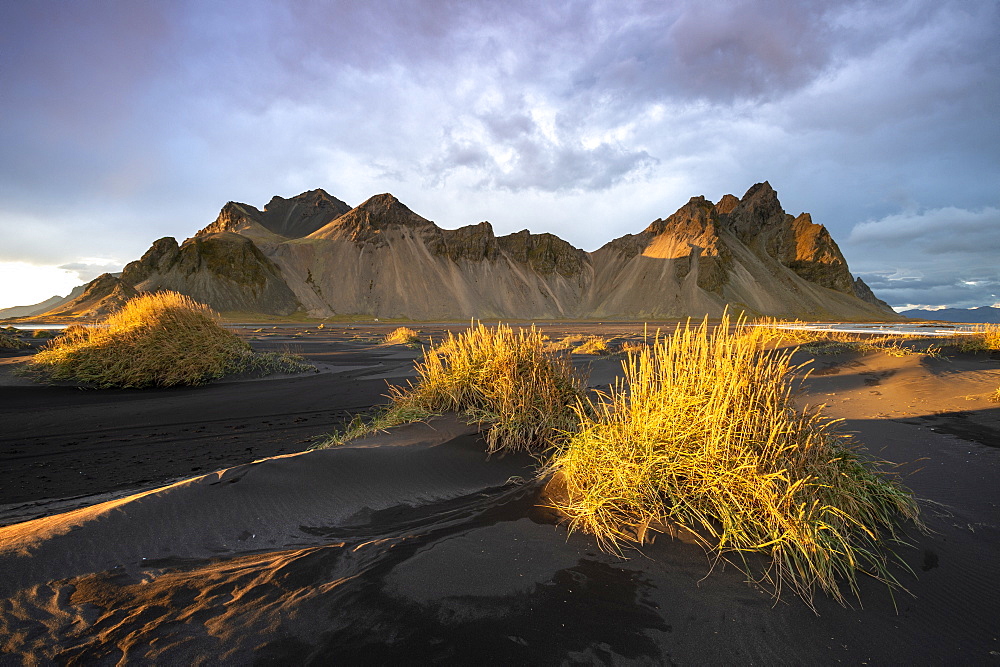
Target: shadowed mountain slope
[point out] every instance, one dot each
(285, 218)
(311, 253)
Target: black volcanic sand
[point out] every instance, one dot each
(60, 445)
(413, 547)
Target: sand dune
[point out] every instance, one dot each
(414, 547)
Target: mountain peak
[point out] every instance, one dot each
(726, 204)
(758, 210)
(318, 198)
(384, 210)
(291, 218)
(366, 222)
(384, 202)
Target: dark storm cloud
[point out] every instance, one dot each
(941, 256)
(716, 51)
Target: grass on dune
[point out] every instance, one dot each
(509, 381)
(11, 342)
(703, 433)
(631, 347)
(155, 340)
(402, 336)
(597, 345)
(985, 338)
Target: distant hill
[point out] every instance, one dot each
(316, 255)
(981, 315)
(42, 306)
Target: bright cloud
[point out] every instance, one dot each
(26, 284)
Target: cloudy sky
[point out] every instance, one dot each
(124, 121)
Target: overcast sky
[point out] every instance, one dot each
(123, 122)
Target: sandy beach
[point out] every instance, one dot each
(189, 526)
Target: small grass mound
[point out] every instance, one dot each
(704, 434)
(507, 380)
(402, 336)
(154, 340)
(11, 342)
(631, 347)
(593, 345)
(42, 333)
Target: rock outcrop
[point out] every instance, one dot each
(101, 296)
(314, 254)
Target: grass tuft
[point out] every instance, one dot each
(986, 338)
(154, 340)
(703, 434)
(593, 345)
(402, 336)
(631, 347)
(11, 342)
(509, 381)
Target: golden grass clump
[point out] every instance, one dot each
(632, 347)
(703, 434)
(505, 379)
(593, 345)
(985, 338)
(402, 336)
(773, 330)
(11, 342)
(154, 340)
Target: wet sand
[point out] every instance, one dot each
(414, 547)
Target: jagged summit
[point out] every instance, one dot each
(726, 204)
(303, 214)
(696, 224)
(312, 253)
(292, 218)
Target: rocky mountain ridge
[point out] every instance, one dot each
(314, 254)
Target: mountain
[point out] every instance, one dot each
(41, 306)
(865, 293)
(312, 253)
(981, 315)
(28, 311)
